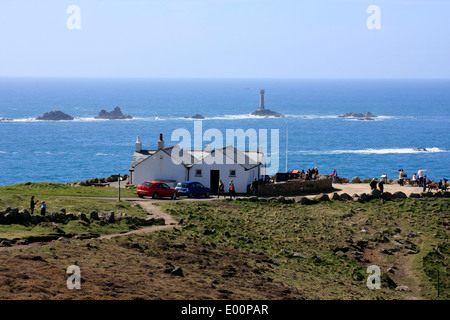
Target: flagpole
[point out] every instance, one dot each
(287, 141)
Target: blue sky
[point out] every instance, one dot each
(225, 39)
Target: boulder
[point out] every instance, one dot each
(24, 216)
(108, 216)
(160, 221)
(356, 180)
(71, 216)
(305, 201)
(177, 272)
(386, 196)
(376, 194)
(345, 196)
(5, 243)
(336, 196)
(93, 215)
(82, 216)
(414, 195)
(322, 197)
(399, 195)
(403, 288)
(365, 197)
(426, 195)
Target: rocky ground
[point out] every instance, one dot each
(250, 250)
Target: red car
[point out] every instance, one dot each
(156, 189)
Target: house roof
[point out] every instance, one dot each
(247, 159)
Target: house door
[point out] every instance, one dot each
(214, 181)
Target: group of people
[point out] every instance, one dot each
(254, 187)
(221, 189)
(373, 185)
(421, 179)
(33, 203)
(310, 174)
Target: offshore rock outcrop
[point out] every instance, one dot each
(360, 116)
(266, 113)
(196, 116)
(55, 116)
(116, 114)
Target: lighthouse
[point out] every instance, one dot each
(261, 99)
(262, 111)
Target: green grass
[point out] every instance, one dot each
(49, 189)
(280, 230)
(71, 198)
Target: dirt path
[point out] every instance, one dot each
(156, 212)
(148, 206)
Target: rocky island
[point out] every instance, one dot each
(262, 111)
(55, 116)
(196, 116)
(359, 116)
(116, 114)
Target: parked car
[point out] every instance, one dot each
(156, 189)
(192, 188)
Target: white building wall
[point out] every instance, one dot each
(158, 167)
(242, 179)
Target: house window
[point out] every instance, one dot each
(232, 173)
(198, 172)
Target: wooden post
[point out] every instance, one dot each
(287, 141)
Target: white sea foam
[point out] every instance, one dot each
(106, 154)
(372, 151)
(221, 117)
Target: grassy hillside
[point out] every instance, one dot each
(73, 199)
(246, 250)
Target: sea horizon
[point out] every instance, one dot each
(412, 113)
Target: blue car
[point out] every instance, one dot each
(192, 188)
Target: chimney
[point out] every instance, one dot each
(138, 145)
(160, 142)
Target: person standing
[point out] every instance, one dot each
(421, 181)
(381, 185)
(400, 177)
(32, 204)
(43, 208)
(221, 189)
(334, 175)
(424, 183)
(254, 186)
(231, 189)
(373, 184)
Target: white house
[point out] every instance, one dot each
(205, 166)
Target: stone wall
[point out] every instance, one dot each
(295, 187)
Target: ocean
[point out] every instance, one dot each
(411, 114)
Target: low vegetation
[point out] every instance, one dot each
(251, 250)
(72, 199)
